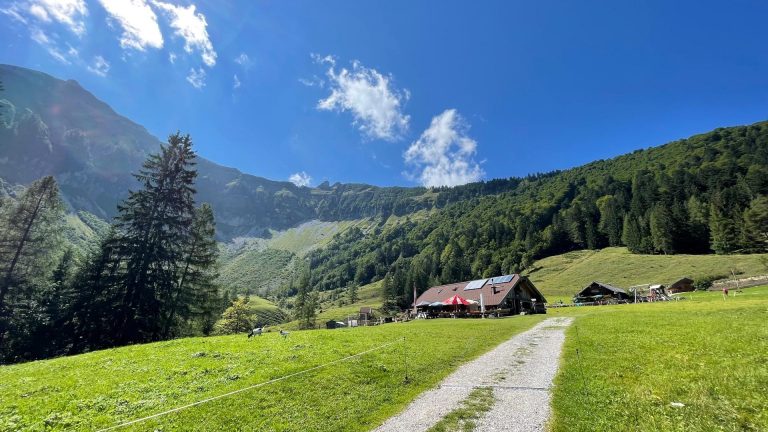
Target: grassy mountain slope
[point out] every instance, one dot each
(562, 276)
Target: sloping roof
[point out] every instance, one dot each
(493, 293)
(605, 286)
(681, 281)
(366, 310)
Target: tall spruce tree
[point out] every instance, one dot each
(306, 302)
(29, 230)
(153, 228)
(724, 228)
(662, 229)
(756, 224)
(196, 294)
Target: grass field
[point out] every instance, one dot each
(562, 276)
(624, 366)
(100, 389)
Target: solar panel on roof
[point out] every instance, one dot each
(475, 284)
(501, 279)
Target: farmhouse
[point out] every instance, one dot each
(683, 285)
(598, 291)
(505, 295)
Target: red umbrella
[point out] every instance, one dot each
(456, 300)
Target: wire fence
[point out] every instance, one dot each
(261, 384)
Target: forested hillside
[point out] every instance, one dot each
(699, 195)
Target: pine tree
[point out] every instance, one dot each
(724, 229)
(610, 224)
(96, 294)
(153, 226)
(662, 229)
(352, 290)
(28, 235)
(306, 302)
(196, 293)
(756, 224)
(631, 235)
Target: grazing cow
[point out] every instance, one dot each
(284, 333)
(255, 332)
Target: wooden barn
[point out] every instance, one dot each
(683, 285)
(598, 292)
(501, 295)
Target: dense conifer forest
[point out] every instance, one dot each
(705, 194)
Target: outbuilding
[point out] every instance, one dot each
(598, 291)
(682, 285)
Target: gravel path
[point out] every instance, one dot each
(520, 371)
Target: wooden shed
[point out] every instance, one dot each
(682, 285)
(598, 291)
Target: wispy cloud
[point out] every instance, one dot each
(39, 15)
(138, 21)
(314, 82)
(196, 77)
(236, 82)
(444, 153)
(375, 104)
(244, 61)
(192, 27)
(300, 179)
(70, 13)
(66, 57)
(99, 66)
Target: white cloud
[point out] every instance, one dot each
(314, 82)
(99, 66)
(236, 83)
(196, 78)
(71, 13)
(43, 40)
(172, 58)
(138, 21)
(444, 153)
(39, 12)
(14, 11)
(300, 179)
(192, 27)
(244, 61)
(375, 105)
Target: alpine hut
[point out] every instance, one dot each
(501, 295)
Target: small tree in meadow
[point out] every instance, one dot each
(235, 319)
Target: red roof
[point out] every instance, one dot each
(493, 294)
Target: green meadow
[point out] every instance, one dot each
(101, 389)
(560, 277)
(629, 367)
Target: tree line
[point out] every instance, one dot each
(706, 194)
(151, 277)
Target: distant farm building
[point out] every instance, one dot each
(598, 292)
(502, 295)
(683, 285)
(366, 315)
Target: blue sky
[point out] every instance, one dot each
(406, 92)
